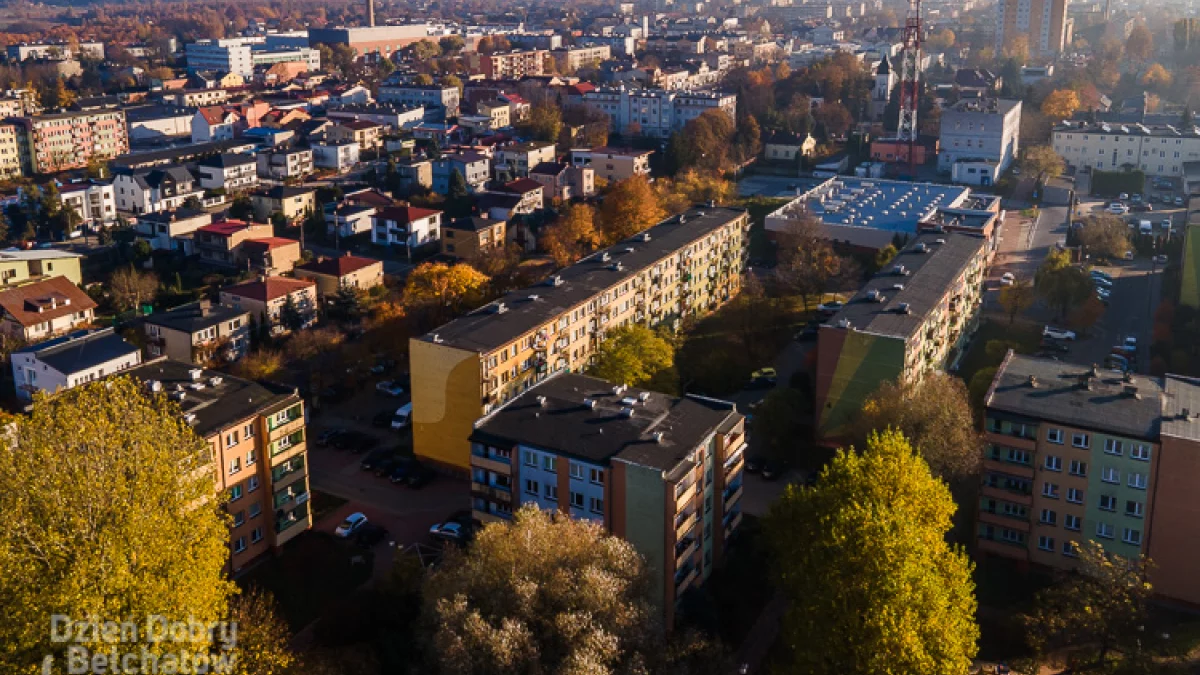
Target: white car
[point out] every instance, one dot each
(1008, 279)
(452, 531)
(1102, 282)
(1118, 209)
(830, 307)
(1131, 341)
(1123, 196)
(1103, 293)
(350, 525)
(1058, 333)
(403, 416)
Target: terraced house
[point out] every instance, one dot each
(685, 266)
(1076, 454)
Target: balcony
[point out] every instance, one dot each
(733, 466)
(296, 516)
(732, 522)
(684, 498)
(1001, 520)
(684, 524)
(684, 551)
(288, 496)
(732, 495)
(495, 493)
(1023, 470)
(287, 443)
(282, 427)
(684, 578)
(491, 462)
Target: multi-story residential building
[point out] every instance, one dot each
(293, 202)
(341, 156)
(392, 117)
(910, 318)
(228, 171)
(439, 102)
(515, 160)
(1044, 23)
(71, 360)
(347, 271)
(347, 220)
(979, 139)
(663, 473)
(562, 181)
(414, 173)
(1155, 150)
(475, 169)
(613, 164)
(44, 307)
(94, 201)
(199, 333)
(221, 243)
(214, 123)
(499, 113)
(192, 98)
(368, 135)
(172, 230)
(570, 59)
(471, 237)
(18, 266)
(264, 298)
(685, 266)
(407, 226)
(62, 141)
(150, 190)
(656, 112)
(258, 438)
(271, 255)
(230, 55)
(508, 65)
(285, 163)
(10, 150)
(55, 51)
(372, 41)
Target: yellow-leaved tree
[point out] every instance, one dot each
(573, 235)
(442, 290)
(629, 207)
(862, 557)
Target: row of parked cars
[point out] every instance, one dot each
(397, 467)
(459, 528)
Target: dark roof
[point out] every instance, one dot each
(974, 77)
(490, 200)
(549, 168)
(54, 296)
(179, 154)
(1061, 395)
(473, 224)
(885, 67)
(226, 160)
(216, 406)
(283, 192)
(554, 416)
(521, 186)
(194, 316)
(484, 329)
(81, 350)
(405, 214)
(1182, 394)
(337, 267)
(929, 276)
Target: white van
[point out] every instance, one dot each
(403, 416)
(1145, 227)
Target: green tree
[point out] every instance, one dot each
(545, 122)
(1016, 298)
(808, 264)
(125, 526)
(290, 316)
(1104, 236)
(347, 303)
(862, 557)
(884, 256)
(1139, 46)
(978, 387)
(934, 413)
(637, 356)
(424, 50)
(242, 208)
(458, 197)
(1041, 162)
(451, 43)
(1061, 284)
(544, 594)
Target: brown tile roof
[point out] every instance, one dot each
(270, 242)
(214, 114)
(522, 185)
(337, 267)
(269, 288)
(51, 298)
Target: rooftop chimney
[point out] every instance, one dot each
(371, 14)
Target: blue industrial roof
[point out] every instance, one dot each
(895, 206)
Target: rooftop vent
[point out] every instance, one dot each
(939, 241)
(1033, 382)
(1131, 391)
(616, 267)
(154, 385)
(844, 323)
(590, 403)
(897, 287)
(900, 271)
(902, 308)
(920, 248)
(626, 412)
(555, 280)
(195, 374)
(437, 339)
(499, 308)
(658, 437)
(644, 396)
(541, 400)
(190, 418)
(605, 257)
(629, 400)
(178, 395)
(644, 237)
(215, 380)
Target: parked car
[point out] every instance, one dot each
(1100, 274)
(1058, 333)
(1128, 255)
(1165, 224)
(350, 525)
(1103, 293)
(1131, 342)
(451, 531)
(763, 378)
(329, 435)
(401, 469)
(374, 458)
(1101, 282)
(754, 463)
(420, 476)
(402, 417)
(382, 419)
(1161, 259)
(1179, 201)
(772, 469)
(369, 534)
(1008, 279)
(830, 307)
(1123, 196)
(1118, 209)
(809, 332)
(1055, 346)
(389, 388)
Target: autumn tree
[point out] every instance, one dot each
(704, 143)
(629, 207)
(443, 290)
(637, 356)
(542, 594)
(259, 365)
(1139, 46)
(1156, 77)
(130, 287)
(451, 44)
(1102, 603)
(941, 40)
(573, 235)
(694, 187)
(1061, 284)
(545, 122)
(125, 526)
(934, 413)
(1104, 236)
(1016, 49)
(262, 637)
(1060, 104)
(808, 264)
(1041, 162)
(862, 557)
(1016, 298)
(423, 50)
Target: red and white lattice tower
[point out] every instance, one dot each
(910, 73)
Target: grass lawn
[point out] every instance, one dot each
(313, 571)
(1027, 337)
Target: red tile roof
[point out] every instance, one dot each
(581, 88)
(270, 288)
(225, 228)
(522, 185)
(214, 114)
(55, 297)
(337, 267)
(270, 242)
(405, 214)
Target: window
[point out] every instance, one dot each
(1069, 549)
(1075, 495)
(576, 470)
(552, 492)
(577, 499)
(235, 465)
(1048, 517)
(255, 509)
(1080, 440)
(1131, 536)
(1104, 530)
(252, 484)
(235, 493)
(1141, 452)
(1112, 447)
(1046, 543)
(597, 476)
(1137, 480)
(239, 545)
(256, 535)
(532, 487)
(239, 518)
(1110, 475)
(528, 458)
(231, 438)
(248, 431)
(1078, 468)
(549, 464)
(1108, 503)
(1133, 508)
(1072, 523)
(251, 457)
(1053, 463)
(1050, 490)
(596, 505)
(1054, 436)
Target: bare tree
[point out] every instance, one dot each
(130, 287)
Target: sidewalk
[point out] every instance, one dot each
(757, 645)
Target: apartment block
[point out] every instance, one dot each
(1044, 23)
(1156, 150)
(613, 164)
(570, 59)
(912, 317)
(150, 190)
(516, 159)
(663, 473)
(685, 266)
(439, 102)
(10, 150)
(94, 201)
(656, 112)
(58, 142)
(285, 163)
(258, 437)
(407, 226)
(228, 171)
(199, 333)
(293, 202)
(979, 132)
(512, 65)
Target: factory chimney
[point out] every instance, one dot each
(645, 27)
(371, 13)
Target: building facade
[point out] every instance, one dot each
(71, 360)
(1155, 150)
(58, 142)
(44, 307)
(94, 201)
(981, 132)
(685, 266)
(512, 65)
(656, 112)
(1043, 22)
(199, 333)
(613, 164)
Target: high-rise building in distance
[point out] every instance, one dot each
(1044, 23)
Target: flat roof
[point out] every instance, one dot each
(485, 329)
(555, 416)
(890, 205)
(80, 350)
(1181, 407)
(1060, 395)
(926, 276)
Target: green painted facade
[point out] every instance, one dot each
(1189, 289)
(1120, 492)
(865, 362)
(644, 523)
